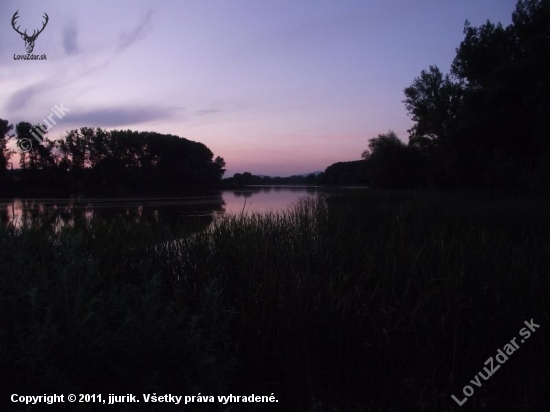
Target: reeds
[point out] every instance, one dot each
(372, 301)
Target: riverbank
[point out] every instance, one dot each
(380, 300)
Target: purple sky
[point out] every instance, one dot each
(275, 87)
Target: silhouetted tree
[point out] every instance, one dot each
(487, 124)
(346, 173)
(391, 163)
(93, 157)
(248, 178)
(23, 131)
(311, 179)
(5, 153)
(432, 101)
(322, 178)
(506, 116)
(217, 168)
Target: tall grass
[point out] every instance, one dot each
(380, 301)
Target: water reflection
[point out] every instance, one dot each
(199, 208)
(267, 198)
(59, 213)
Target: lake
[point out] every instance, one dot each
(203, 206)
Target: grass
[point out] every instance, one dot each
(376, 301)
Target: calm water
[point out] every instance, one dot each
(204, 207)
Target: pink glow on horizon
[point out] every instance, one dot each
(275, 88)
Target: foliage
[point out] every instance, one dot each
(248, 178)
(5, 153)
(487, 123)
(346, 173)
(433, 101)
(94, 157)
(392, 164)
(405, 294)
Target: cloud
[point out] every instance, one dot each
(118, 117)
(207, 111)
(70, 37)
(127, 39)
(21, 98)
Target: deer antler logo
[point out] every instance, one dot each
(29, 40)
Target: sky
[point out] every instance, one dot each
(275, 87)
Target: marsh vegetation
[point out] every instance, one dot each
(364, 301)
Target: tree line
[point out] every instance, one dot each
(95, 157)
(486, 124)
(248, 178)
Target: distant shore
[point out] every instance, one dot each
(17, 190)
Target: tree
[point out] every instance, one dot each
(504, 123)
(311, 179)
(490, 119)
(92, 157)
(384, 142)
(345, 173)
(432, 101)
(23, 134)
(5, 153)
(391, 163)
(481, 52)
(218, 169)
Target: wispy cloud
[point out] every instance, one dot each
(207, 111)
(70, 38)
(127, 39)
(118, 117)
(21, 99)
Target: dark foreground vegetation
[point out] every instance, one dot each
(375, 301)
(378, 301)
